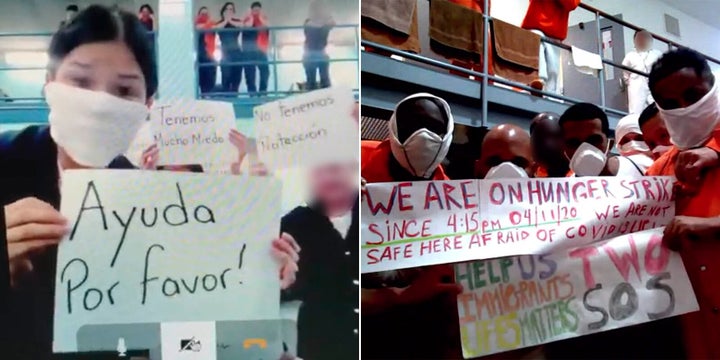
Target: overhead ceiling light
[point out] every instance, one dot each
(26, 58)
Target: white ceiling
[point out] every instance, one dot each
(45, 15)
(707, 11)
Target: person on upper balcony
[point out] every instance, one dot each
(230, 49)
(255, 44)
(640, 59)
(207, 75)
(147, 17)
(70, 12)
(316, 59)
(549, 18)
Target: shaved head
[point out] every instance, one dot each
(505, 143)
(547, 143)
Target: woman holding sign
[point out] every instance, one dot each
(101, 81)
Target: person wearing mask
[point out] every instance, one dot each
(631, 143)
(587, 144)
(640, 59)
(416, 307)
(316, 60)
(549, 18)
(547, 146)
(147, 17)
(230, 49)
(506, 153)
(101, 82)
(70, 12)
(654, 131)
(686, 93)
(255, 43)
(205, 51)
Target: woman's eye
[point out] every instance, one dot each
(81, 82)
(124, 91)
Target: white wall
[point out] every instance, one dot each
(648, 14)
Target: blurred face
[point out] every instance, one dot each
(681, 89)
(203, 13)
(420, 114)
(229, 11)
(495, 152)
(643, 41)
(334, 183)
(256, 10)
(145, 12)
(547, 143)
(107, 66)
(578, 132)
(656, 134)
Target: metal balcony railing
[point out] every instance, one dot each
(10, 104)
(486, 78)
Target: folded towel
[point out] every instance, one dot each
(586, 62)
(395, 14)
(456, 26)
(374, 31)
(515, 52)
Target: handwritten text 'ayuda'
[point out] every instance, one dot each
(76, 274)
(445, 196)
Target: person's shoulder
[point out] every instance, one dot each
(297, 215)
(20, 141)
(663, 165)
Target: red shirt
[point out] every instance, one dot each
(701, 329)
(550, 17)
(375, 160)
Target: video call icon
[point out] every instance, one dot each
(190, 345)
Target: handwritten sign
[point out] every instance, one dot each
(149, 247)
(521, 301)
(423, 223)
(308, 129)
(194, 132)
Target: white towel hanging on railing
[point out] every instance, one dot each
(586, 62)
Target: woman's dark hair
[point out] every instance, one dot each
(98, 23)
(201, 9)
(148, 7)
(72, 7)
(224, 7)
(256, 4)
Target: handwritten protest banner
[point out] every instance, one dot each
(308, 129)
(194, 132)
(411, 224)
(521, 301)
(149, 247)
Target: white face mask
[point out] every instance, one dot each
(692, 126)
(506, 170)
(92, 127)
(423, 151)
(659, 150)
(588, 160)
(633, 147)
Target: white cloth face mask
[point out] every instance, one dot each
(93, 127)
(659, 150)
(588, 160)
(633, 147)
(692, 126)
(506, 170)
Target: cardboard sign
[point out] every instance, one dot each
(194, 132)
(435, 222)
(151, 247)
(307, 130)
(522, 301)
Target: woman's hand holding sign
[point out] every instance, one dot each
(286, 250)
(240, 141)
(32, 226)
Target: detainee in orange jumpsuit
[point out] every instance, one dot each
(410, 313)
(686, 93)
